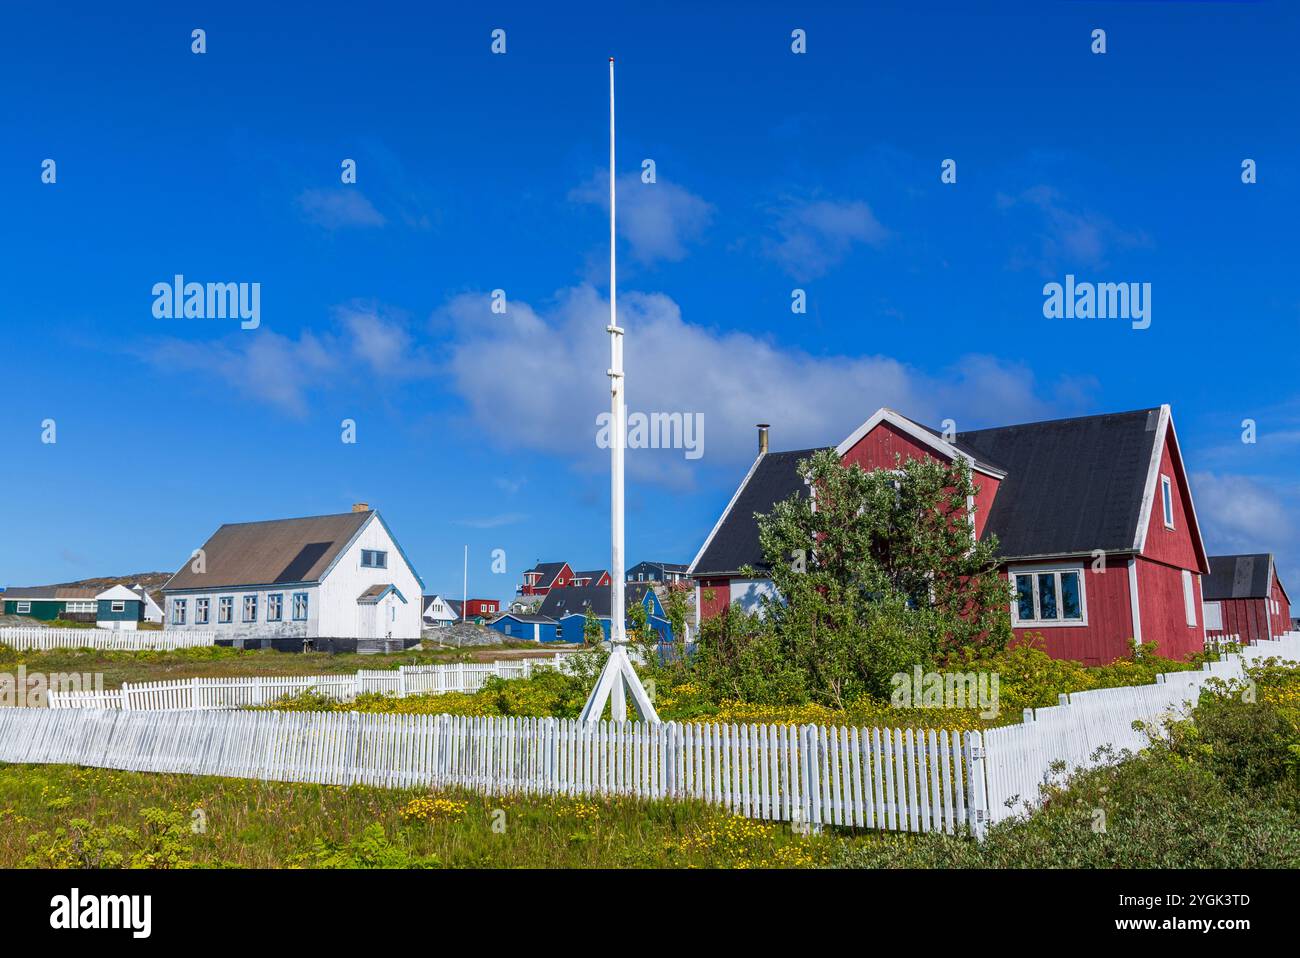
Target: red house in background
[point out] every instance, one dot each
(1096, 531)
(545, 576)
(1244, 597)
(596, 577)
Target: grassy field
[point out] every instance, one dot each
(212, 662)
(64, 816)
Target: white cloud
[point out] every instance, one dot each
(1240, 514)
(336, 208)
(1068, 239)
(812, 237)
(263, 365)
(550, 382)
(283, 371)
(657, 220)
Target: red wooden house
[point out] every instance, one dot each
(1096, 530)
(545, 576)
(596, 577)
(1244, 597)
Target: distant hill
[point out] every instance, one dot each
(152, 582)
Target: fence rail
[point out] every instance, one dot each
(1021, 756)
(113, 640)
(868, 778)
(237, 692)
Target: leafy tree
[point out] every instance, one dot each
(592, 633)
(876, 572)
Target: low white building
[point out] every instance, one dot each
(438, 612)
(338, 576)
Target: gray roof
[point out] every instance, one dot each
(568, 601)
(526, 617)
(271, 552)
(49, 592)
(1238, 577)
(735, 543)
(548, 571)
(1070, 486)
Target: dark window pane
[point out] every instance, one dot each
(1047, 595)
(1071, 607)
(1025, 597)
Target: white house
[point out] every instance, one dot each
(438, 612)
(339, 576)
(152, 610)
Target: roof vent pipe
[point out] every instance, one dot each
(762, 437)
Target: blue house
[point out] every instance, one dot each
(527, 628)
(568, 607)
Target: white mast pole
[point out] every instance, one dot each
(618, 677)
(464, 584)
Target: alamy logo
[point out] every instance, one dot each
(945, 690)
(1073, 300)
(72, 911)
(657, 430)
(181, 300)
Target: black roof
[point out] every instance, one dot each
(665, 566)
(548, 570)
(1238, 577)
(525, 617)
(575, 599)
(735, 542)
(1071, 486)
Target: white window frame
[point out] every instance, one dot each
(1189, 599)
(277, 606)
(378, 559)
(1034, 572)
(202, 610)
(23, 608)
(81, 606)
(226, 610)
(118, 605)
(250, 602)
(1167, 500)
(178, 611)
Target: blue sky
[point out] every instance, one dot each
(477, 172)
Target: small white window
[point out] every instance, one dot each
(24, 608)
(1213, 613)
(1050, 596)
(1189, 599)
(1167, 499)
(118, 605)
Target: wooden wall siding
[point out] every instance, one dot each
(1109, 631)
(721, 588)
(1245, 617)
(877, 449)
(1174, 547)
(1281, 618)
(1164, 617)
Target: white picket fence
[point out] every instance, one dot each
(1021, 756)
(111, 640)
(237, 692)
(1220, 640)
(866, 778)
(869, 778)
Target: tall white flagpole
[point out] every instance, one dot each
(618, 674)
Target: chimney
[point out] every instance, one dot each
(360, 507)
(762, 438)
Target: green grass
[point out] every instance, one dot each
(214, 662)
(65, 816)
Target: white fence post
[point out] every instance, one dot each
(977, 800)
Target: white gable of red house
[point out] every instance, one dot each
(1079, 509)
